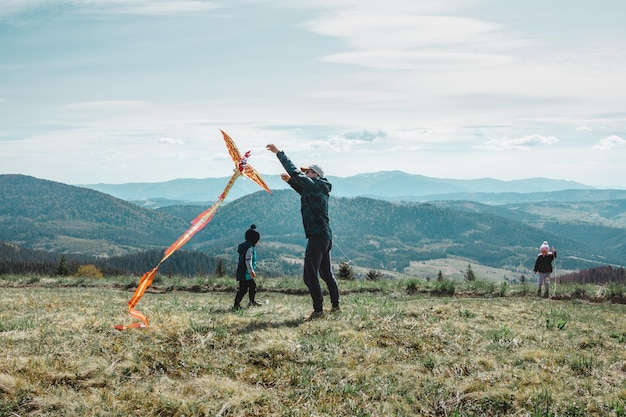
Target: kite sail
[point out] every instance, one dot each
(241, 168)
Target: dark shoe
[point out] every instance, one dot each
(315, 315)
(545, 295)
(539, 292)
(254, 304)
(237, 308)
(335, 309)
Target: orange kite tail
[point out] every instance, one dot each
(144, 283)
(241, 168)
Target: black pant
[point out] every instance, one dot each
(245, 286)
(317, 261)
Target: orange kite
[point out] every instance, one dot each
(241, 168)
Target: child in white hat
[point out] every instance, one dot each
(543, 266)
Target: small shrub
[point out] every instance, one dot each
(89, 271)
(373, 275)
(583, 365)
(504, 288)
(501, 335)
(556, 318)
(482, 287)
(615, 291)
(579, 292)
(412, 287)
(345, 272)
(445, 287)
(466, 314)
(429, 363)
(542, 405)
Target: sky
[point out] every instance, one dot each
(119, 91)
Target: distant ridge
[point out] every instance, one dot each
(387, 185)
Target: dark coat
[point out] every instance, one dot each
(242, 269)
(544, 263)
(314, 194)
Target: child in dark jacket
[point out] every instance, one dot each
(246, 268)
(543, 266)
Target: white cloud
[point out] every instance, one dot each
(364, 135)
(410, 35)
(610, 142)
(11, 8)
(104, 105)
(364, 30)
(414, 60)
(402, 148)
(150, 7)
(584, 128)
(525, 142)
(171, 141)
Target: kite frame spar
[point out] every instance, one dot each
(241, 168)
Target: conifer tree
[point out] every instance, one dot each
(373, 275)
(439, 276)
(219, 269)
(469, 274)
(345, 272)
(62, 268)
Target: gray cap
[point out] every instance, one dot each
(315, 168)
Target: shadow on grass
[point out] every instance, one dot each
(260, 321)
(265, 325)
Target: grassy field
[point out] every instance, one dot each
(477, 351)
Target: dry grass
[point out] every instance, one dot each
(385, 354)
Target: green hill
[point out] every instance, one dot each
(47, 215)
(379, 234)
(370, 233)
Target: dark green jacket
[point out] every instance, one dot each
(243, 273)
(314, 193)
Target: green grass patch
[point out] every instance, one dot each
(388, 352)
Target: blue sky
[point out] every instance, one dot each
(115, 91)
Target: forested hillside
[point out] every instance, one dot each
(18, 260)
(39, 214)
(57, 217)
(380, 234)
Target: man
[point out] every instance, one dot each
(314, 191)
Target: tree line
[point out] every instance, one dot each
(600, 275)
(16, 260)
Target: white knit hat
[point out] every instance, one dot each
(544, 246)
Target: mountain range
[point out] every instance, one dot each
(368, 232)
(384, 185)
